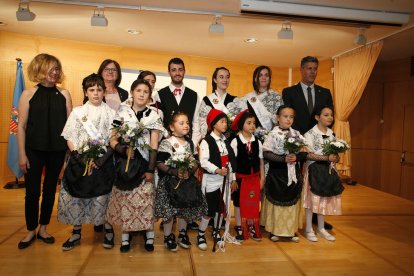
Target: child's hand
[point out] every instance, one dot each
(290, 158)
(183, 174)
(223, 171)
(149, 177)
(333, 158)
(234, 186)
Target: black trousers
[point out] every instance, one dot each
(52, 161)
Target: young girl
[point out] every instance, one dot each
(249, 176)
(323, 187)
(178, 191)
(281, 209)
(218, 162)
(131, 204)
(84, 196)
(219, 99)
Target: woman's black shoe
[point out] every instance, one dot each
(126, 245)
(49, 240)
(98, 228)
(70, 244)
(108, 243)
(25, 244)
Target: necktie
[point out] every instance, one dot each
(177, 91)
(310, 100)
(249, 147)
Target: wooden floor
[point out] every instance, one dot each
(374, 237)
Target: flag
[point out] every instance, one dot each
(13, 151)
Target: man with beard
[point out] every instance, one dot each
(177, 97)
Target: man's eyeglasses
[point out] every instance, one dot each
(110, 70)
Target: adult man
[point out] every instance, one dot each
(177, 97)
(306, 98)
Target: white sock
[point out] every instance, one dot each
(109, 236)
(203, 224)
(321, 222)
(182, 225)
(237, 216)
(309, 214)
(75, 236)
(125, 238)
(150, 236)
(168, 227)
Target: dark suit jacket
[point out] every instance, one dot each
(294, 97)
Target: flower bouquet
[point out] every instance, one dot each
(130, 134)
(91, 150)
(182, 162)
(335, 146)
(293, 143)
(261, 134)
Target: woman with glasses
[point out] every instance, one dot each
(110, 71)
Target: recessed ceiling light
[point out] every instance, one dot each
(3, 23)
(134, 32)
(250, 40)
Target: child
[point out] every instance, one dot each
(281, 209)
(218, 162)
(249, 176)
(323, 187)
(85, 191)
(178, 191)
(131, 204)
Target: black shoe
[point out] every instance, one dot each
(169, 242)
(254, 235)
(148, 246)
(126, 245)
(328, 226)
(239, 233)
(184, 240)
(48, 240)
(25, 244)
(192, 225)
(201, 240)
(108, 243)
(98, 228)
(215, 235)
(70, 244)
(223, 224)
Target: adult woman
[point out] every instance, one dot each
(110, 71)
(43, 111)
(87, 183)
(219, 99)
(263, 101)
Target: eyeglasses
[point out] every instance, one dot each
(110, 70)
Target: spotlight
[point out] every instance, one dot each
(216, 27)
(286, 31)
(23, 13)
(360, 38)
(98, 18)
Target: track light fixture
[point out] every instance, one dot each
(23, 13)
(360, 38)
(286, 32)
(98, 18)
(216, 27)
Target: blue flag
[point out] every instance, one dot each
(13, 151)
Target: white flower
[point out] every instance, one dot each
(291, 140)
(338, 144)
(85, 148)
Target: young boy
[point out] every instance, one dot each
(249, 175)
(218, 162)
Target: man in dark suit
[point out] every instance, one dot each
(306, 98)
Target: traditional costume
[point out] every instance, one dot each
(281, 212)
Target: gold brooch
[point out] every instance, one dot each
(84, 118)
(251, 194)
(215, 101)
(176, 145)
(253, 99)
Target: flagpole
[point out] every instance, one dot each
(12, 159)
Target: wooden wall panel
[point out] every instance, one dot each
(407, 183)
(365, 120)
(390, 171)
(365, 164)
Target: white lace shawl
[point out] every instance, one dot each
(275, 140)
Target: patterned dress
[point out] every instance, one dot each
(318, 204)
(73, 210)
(281, 212)
(163, 207)
(133, 210)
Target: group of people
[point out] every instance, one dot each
(139, 156)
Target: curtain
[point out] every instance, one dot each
(351, 74)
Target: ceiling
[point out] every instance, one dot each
(183, 28)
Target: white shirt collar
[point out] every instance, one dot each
(244, 141)
(305, 87)
(329, 132)
(172, 88)
(222, 137)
